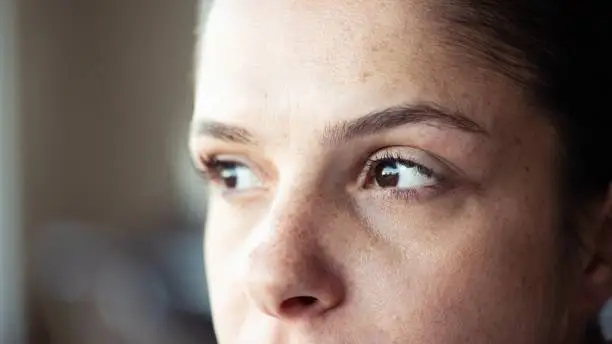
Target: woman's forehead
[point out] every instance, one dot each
(303, 65)
(276, 47)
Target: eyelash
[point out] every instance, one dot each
(212, 166)
(395, 193)
(209, 164)
(395, 156)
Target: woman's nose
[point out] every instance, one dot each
(288, 276)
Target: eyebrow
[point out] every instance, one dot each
(369, 124)
(398, 116)
(222, 131)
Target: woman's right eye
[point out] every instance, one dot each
(232, 175)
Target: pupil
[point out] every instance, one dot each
(231, 182)
(387, 174)
(229, 175)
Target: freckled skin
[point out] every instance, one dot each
(477, 263)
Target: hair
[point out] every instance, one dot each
(557, 50)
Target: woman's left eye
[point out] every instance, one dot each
(398, 174)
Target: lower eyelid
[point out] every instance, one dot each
(395, 195)
(409, 195)
(415, 194)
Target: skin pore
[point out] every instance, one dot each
(370, 184)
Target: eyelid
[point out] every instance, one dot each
(440, 170)
(209, 164)
(205, 151)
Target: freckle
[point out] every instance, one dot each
(365, 76)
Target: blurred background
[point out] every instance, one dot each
(100, 210)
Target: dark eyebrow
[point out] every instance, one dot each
(397, 116)
(221, 131)
(367, 125)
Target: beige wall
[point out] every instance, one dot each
(106, 89)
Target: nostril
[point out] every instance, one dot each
(297, 304)
(307, 300)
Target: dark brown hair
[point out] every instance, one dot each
(558, 51)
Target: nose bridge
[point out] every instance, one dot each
(293, 218)
(287, 236)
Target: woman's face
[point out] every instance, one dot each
(370, 184)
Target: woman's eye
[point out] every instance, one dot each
(234, 176)
(398, 174)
